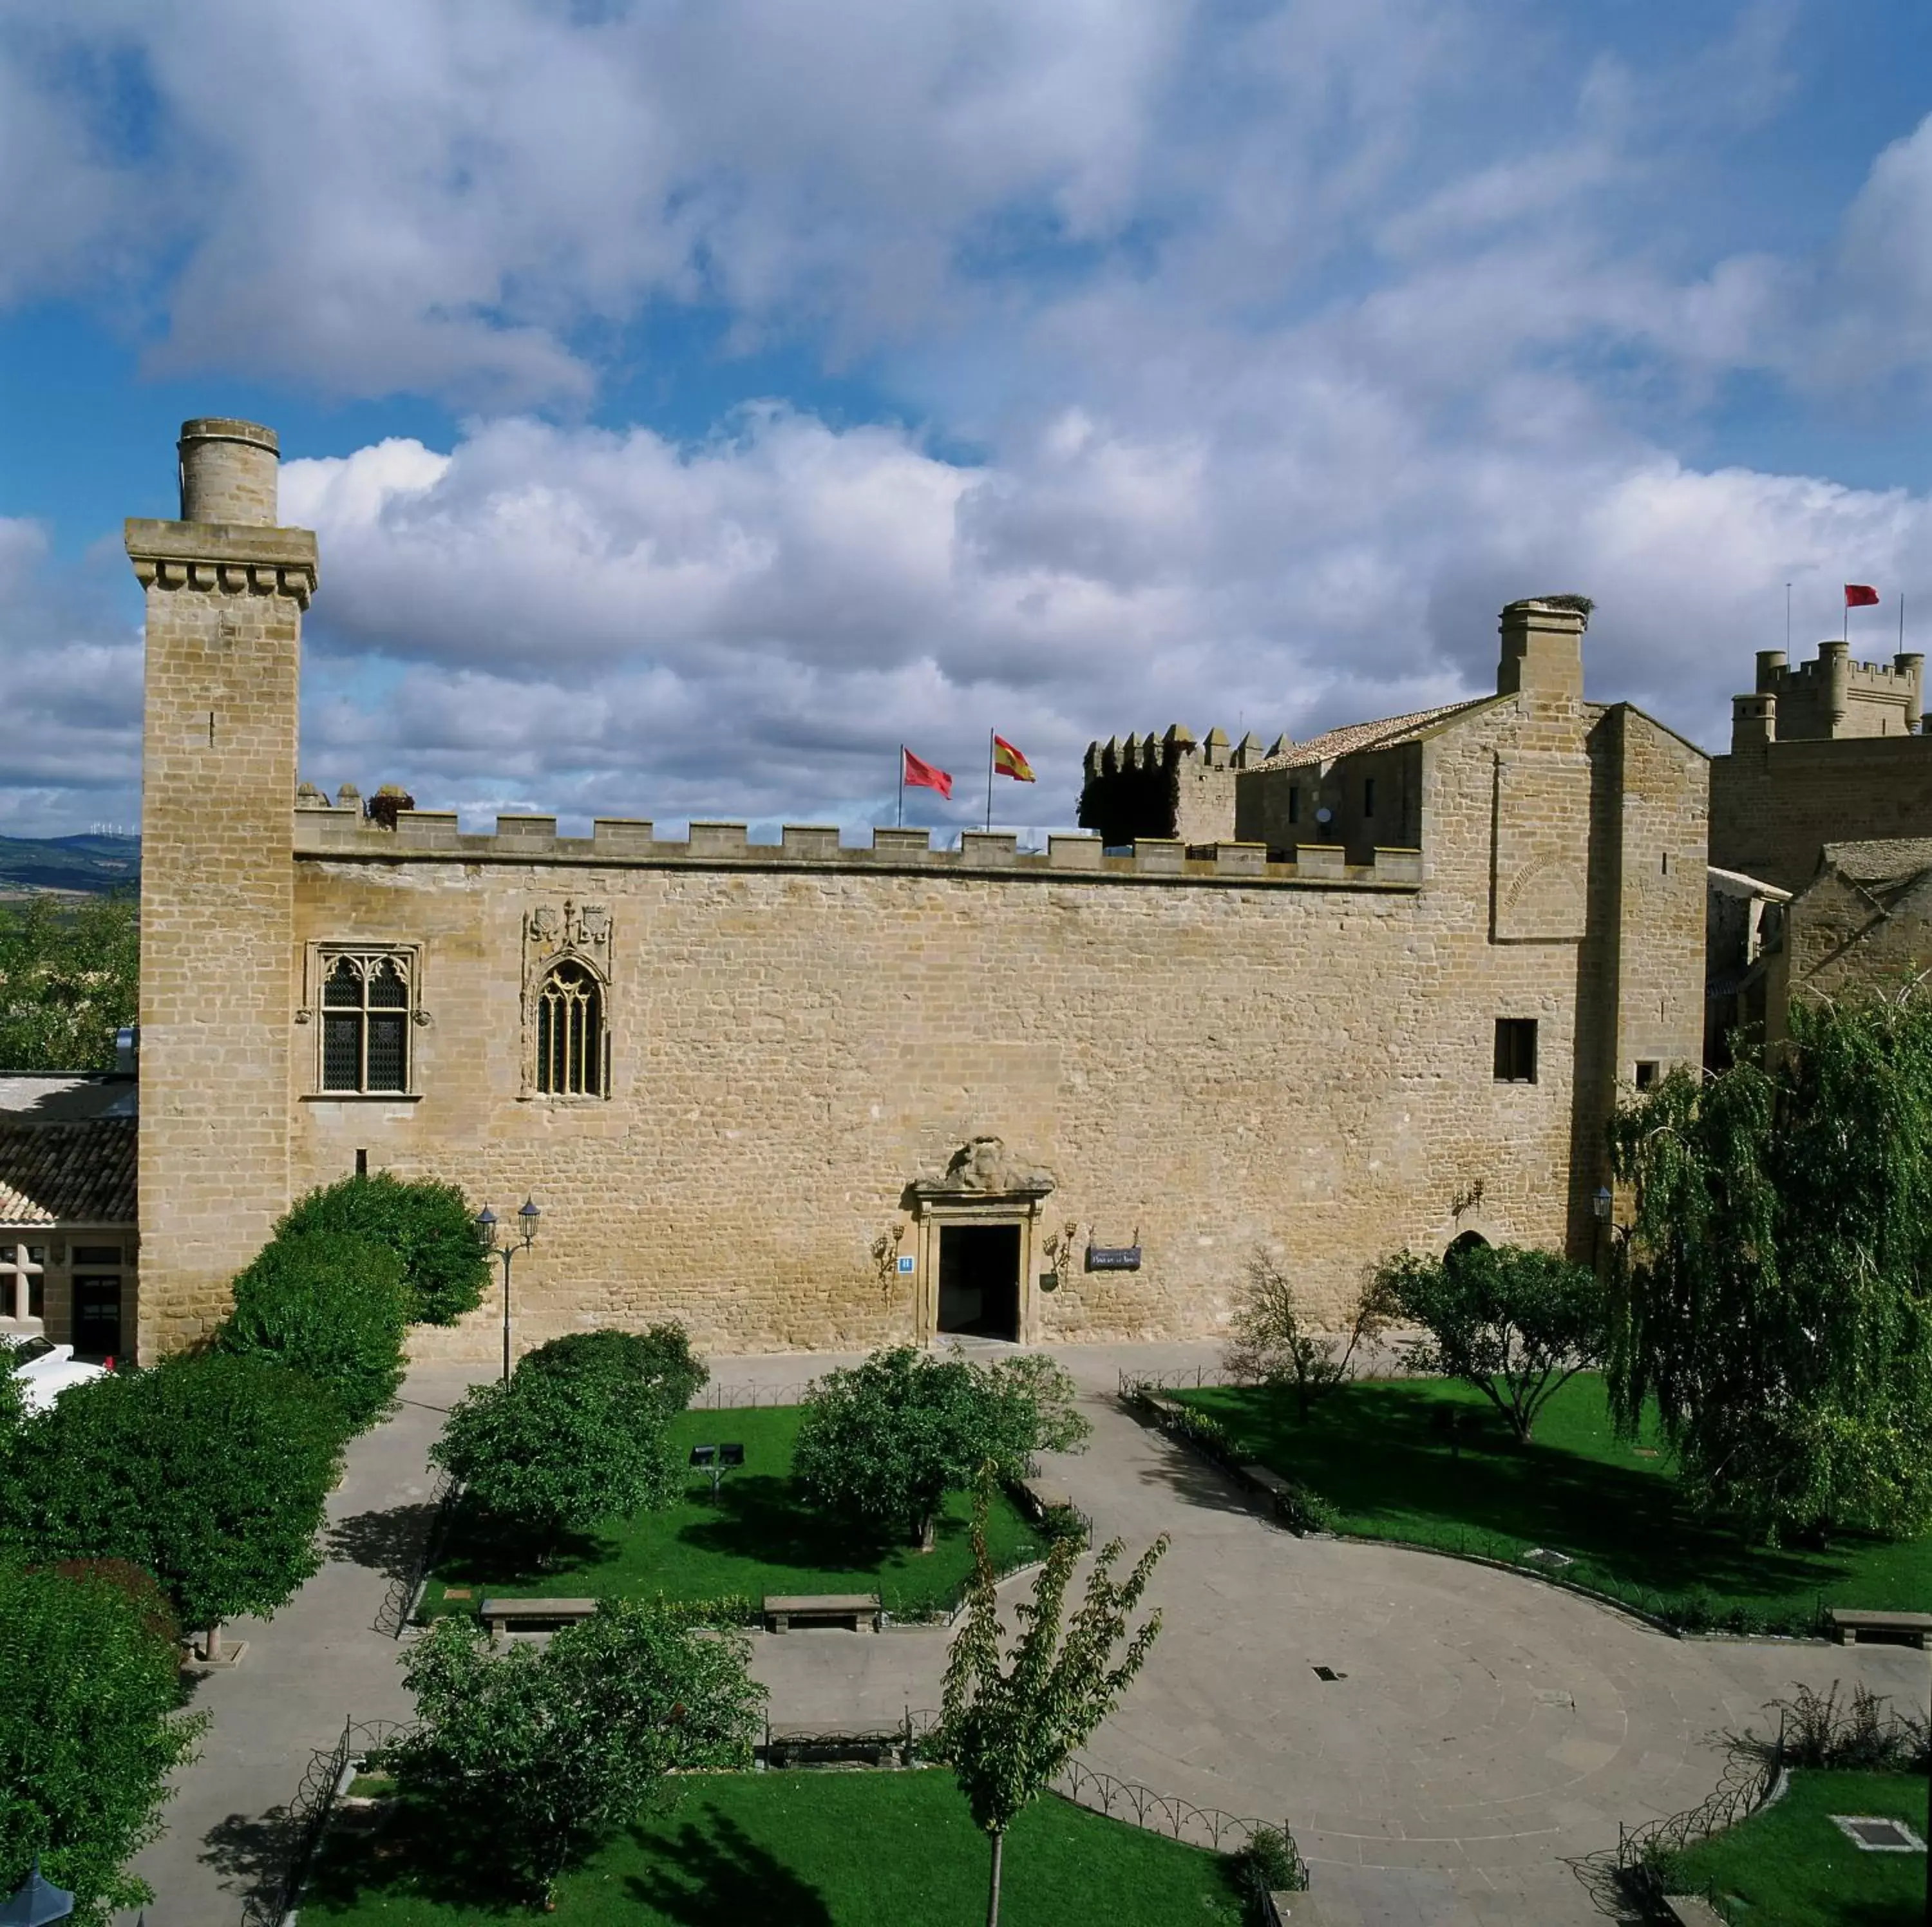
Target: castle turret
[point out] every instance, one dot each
(226, 590)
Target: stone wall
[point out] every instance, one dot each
(1775, 807)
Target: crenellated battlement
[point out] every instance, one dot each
(1828, 699)
(323, 830)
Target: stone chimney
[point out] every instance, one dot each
(1542, 651)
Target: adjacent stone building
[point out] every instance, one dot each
(1375, 990)
(1821, 841)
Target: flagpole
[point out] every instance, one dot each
(1787, 621)
(902, 785)
(989, 779)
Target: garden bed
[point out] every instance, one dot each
(1382, 1454)
(1789, 1865)
(722, 1557)
(807, 1850)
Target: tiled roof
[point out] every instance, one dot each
(67, 1174)
(1353, 736)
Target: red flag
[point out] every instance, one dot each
(1859, 595)
(919, 775)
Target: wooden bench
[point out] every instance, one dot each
(821, 1608)
(1690, 1910)
(500, 1615)
(1914, 1626)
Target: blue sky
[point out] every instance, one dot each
(694, 402)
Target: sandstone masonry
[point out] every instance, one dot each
(805, 1095)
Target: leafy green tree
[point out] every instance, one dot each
(1273, 1343)
(660, 1360)
(427, 1225)
(1009, 1724)
(330, 1305)
(554, 1451)
(70, 978)
(1775, 1290)
(884, 1441)
(1516, 1325)
(89, 1730)
(208, 1472)
(529, 1760)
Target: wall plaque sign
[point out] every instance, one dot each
(1113, 1257)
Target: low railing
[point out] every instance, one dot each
(1753, 1777)
(306, 1819)
(406, 1585)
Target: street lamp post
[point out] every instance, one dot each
(505, 1244)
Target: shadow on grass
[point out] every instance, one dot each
(413, 1855)
(715, 1874)
(764, 1520)
(483, 1551)
(1378, 1451)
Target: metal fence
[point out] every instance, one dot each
(305, 1819)
(1183, 1378)
(736, 1397)
(406, 1582)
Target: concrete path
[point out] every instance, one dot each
(319, 1661)
(1484, 1732)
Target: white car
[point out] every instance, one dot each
(46, 1370)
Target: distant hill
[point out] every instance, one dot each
(90, 865)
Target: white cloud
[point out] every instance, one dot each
(70, 723)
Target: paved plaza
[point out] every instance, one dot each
(1485, 1732)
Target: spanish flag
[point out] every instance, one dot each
(1008, 761)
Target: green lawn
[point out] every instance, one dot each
(1789, 1866)
(817, 1850)
(756, 1537)
(1371, 1449)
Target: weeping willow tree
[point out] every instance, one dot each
(1775, 1291)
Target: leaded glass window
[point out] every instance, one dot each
(570, 1033)
(366, 1007)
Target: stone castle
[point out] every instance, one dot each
(1376, 989)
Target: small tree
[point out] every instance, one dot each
(528, 1761)
(1516, 1325)
(210, 1473)
(1272, 1344)
(427, 1225)
(332, 1306)
(883, 1442)
(554, 1451)
(1008, 1724)
(89, 1731)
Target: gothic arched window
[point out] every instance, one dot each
(570, 1033)
(365, 1021)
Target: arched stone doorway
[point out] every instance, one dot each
(978, 1226)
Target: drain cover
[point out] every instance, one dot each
(1329, 1672)
(1873, 1834)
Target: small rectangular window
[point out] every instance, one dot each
(1646, 1074)
(1368, 796)
(37, 1295)
(1516, 1050)
(1294, 802)
(97, 1254)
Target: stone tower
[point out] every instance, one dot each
(226, 590)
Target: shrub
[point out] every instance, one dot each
(208, 1472)
(88, 1733)
(1302, 1509)
(527, 1762)
(332, 1306)
(427, 1225)
(553, 1450)
(1273, 1344)
(1270, 1863)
